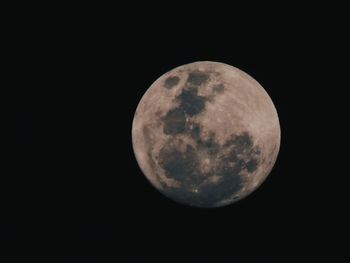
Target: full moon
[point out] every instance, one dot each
(206, 134)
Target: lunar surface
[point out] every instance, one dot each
(206, 134)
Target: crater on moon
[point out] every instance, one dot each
(206, 134)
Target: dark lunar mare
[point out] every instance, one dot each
(171, 82)
(219, 88)
(190, 104)
(180, 166)
(184, 167)
(174, 121)
(197, 78)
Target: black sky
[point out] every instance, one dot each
(75, 180)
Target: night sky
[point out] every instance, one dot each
(74, 178)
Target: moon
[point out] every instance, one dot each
(206, 134)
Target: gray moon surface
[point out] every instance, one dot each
(206, 134)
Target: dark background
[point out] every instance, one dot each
(74, 183)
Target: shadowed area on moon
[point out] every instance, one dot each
(227, 161)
